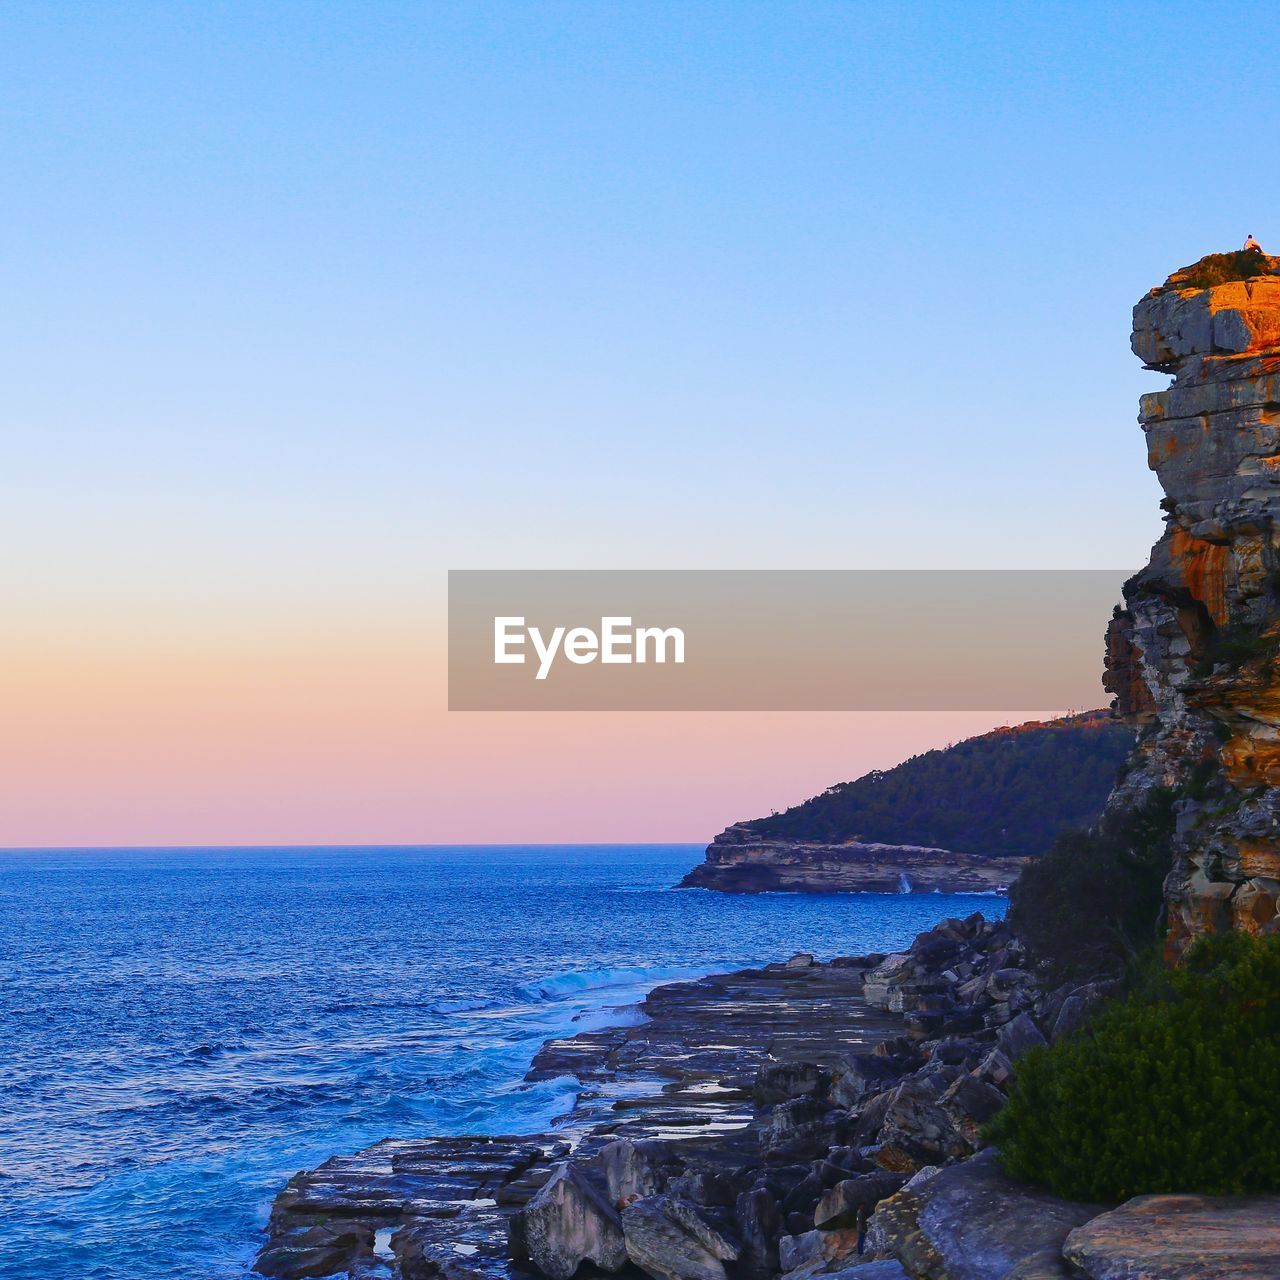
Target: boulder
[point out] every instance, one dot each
(804, 1196)
(1004, 982)
(568, 1222)
(970, 1221)
(851, 1165)
(878, 983)
(802, 1129)
(871, 1118)
(1071, 1017)
(817, 1252)
(917, 1130)
(1181, 1237)
(318, 1250)
(884, 1269)
(866, 1073)
(971, 1103)
(782, 1081)
(995, 1069)
(1077, 1008)
(667, 1239)
(631, 1170)
(707, 1186)
(1018, 1036)
(957, 1050)
(839, 1206)
(759, 1222)
(799, 1251)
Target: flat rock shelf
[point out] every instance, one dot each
(412, 1208)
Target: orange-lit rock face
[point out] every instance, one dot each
(1203, 567)
(1194, 653)
(1259, 858)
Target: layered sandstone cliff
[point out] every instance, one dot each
(740, 861)
(1192, 657)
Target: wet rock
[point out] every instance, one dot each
(318, 1250)
(567, 1223)
(667, 1239)
(1181, 1237)
(449, 1201)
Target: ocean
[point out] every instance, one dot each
(183, 1029)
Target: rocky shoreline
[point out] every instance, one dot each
(740, 1130)
(740, 861)
(682, 1080)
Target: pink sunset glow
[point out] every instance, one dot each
(323, 734)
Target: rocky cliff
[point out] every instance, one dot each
(738, 861)
(1192, 656)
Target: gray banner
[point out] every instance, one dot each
(807, 640)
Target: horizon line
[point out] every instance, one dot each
(305, 844)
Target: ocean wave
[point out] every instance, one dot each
(372, 1006)
(462, 1006)
(212, 1049)
(560, 986)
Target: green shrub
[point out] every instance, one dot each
(1167, 1091)
(1096, 898)
(1218, 268)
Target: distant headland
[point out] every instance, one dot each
(960, 819)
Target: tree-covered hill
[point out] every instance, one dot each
(1011, 791)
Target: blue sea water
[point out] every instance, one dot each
(181, 1030)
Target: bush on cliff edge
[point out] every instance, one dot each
(1094, 901)
(1171, 1092)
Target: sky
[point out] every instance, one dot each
(307, 303)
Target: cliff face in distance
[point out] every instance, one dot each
(1192, 657)
(960, 819)
(740, 861)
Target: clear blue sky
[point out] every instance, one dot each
(306, 302)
